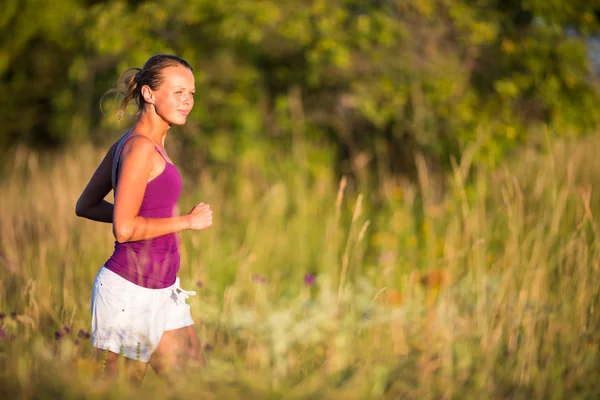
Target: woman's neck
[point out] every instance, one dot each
(153, 127)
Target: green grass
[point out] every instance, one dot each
(490, 291)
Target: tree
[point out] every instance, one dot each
(372, 82)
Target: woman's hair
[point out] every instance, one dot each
(150, 74)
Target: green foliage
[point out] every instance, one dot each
(375, 81)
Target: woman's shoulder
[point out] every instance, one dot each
(139, 144)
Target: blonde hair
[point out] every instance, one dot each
(133, 79)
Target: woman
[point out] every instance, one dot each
(138, 309)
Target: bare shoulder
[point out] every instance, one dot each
(138, 146)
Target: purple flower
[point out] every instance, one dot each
(208, 347)
(83, 334)
(66, 329)
(2, 334)
(309, 279)
(2, 316)
(76, 342)
(259, 279)
(199, 284)
(386, 257)
(58, 335)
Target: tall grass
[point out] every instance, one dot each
(488, 292)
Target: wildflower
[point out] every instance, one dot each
(386, 257)
(199, 284)
(76, 342)
(66, 330)
(2, 334)
(83, 334)
(259, 279)
(208, 347)
(394, 298)
(309, 279)
(58, 335)
(2, 316)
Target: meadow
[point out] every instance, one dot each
(314, 287)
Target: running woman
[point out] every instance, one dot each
(139, 311)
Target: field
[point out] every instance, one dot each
(314, 287)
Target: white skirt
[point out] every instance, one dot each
(128, 319)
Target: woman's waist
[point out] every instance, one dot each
(165, 244)
(157, 210)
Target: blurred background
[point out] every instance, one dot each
(404, 194)
(361, 86)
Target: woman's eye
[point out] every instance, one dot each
(178, 92)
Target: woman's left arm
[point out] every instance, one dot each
(91, 203)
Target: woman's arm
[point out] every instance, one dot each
(91, 203)
(135, 170)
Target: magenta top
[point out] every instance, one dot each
(152, 263)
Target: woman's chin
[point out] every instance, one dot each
(177, 121)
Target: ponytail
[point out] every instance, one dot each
(133, 91)
(133, 79)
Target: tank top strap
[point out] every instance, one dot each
(161, 154)
(117, 156)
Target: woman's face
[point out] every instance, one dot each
(174, 99)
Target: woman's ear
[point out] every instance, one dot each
(147, 94)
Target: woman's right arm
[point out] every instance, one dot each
(134, 172)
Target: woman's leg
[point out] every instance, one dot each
(177, 350)
(114, 365)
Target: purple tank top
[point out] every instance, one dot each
(152, 263)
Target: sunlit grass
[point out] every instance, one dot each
(308, 289)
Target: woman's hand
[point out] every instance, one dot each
(200, 217)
